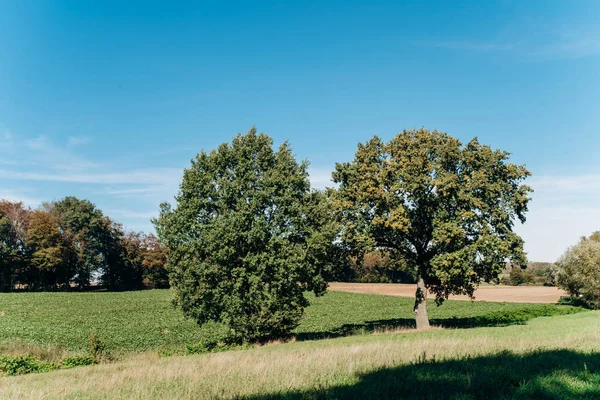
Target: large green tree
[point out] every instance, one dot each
(448, 209)
(247, 238)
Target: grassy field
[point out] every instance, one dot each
(140, 321)
(547, 358)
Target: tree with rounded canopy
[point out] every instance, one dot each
(579, 270)
(447, 209)
(247, 238)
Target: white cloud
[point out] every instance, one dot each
(19, 196)
(563, 209)
(78, 141)
(140, 176)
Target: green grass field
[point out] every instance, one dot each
(547, 358)
(146, 320)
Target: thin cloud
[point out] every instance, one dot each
(147, 176)
(465, 45)
(74, 141)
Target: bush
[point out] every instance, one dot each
(77, 361)
(20, 365)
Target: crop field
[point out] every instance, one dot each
(146, 320)
(547, 358)
(512, 294)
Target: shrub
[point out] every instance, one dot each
(77, 361)
(96, 347)
(20, 365)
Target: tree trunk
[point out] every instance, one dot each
(421, 317)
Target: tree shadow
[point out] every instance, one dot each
(489, 320)
(556, 374)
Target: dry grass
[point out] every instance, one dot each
(297, 367)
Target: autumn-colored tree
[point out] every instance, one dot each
(53, 259)
(448, 209)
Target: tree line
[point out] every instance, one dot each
(71, 244)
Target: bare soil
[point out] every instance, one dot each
(514, 294)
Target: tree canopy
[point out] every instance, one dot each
(579, 270)
(247, 238)
(447, 209)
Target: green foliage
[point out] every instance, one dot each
(536, 273)
(76, 361)
(579, 270)
(448, 209)
(14, 219)
(247, 238)
(214, 337)
(519, 276)
(19, 365)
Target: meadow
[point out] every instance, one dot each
(546, 358)
(52, 325)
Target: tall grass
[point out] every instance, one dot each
(549, 357)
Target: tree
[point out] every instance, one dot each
(448, 209)
(579, 270)
(147, 255)
(53, 258)
(90, 231)
(247, 238)
(14, 221)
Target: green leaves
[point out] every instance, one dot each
(579, 270)
(446, 208)
(247, 237)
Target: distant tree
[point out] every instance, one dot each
(14, 221)
(53, 258)
(119, 269)
(154, 261)
(146, 259)
(448, 209)
(90, 231)
(247, 238)
(579, 270)
(8, 253)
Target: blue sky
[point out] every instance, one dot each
(110, 100)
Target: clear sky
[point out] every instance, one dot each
(109, 101)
